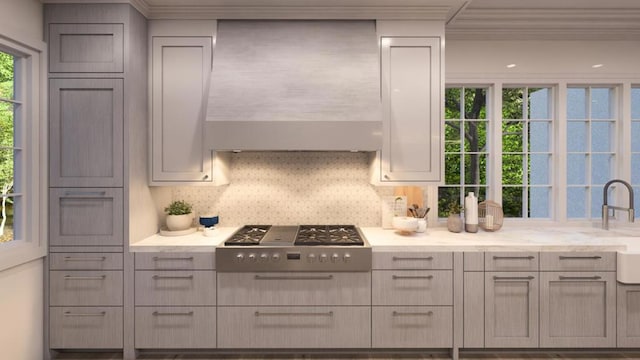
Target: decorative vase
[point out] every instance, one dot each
(454, 223)
(179, 222)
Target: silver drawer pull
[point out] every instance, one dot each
(412, 277)
(85, 193)
(402, 313)
(513, 278)
(530, 257)
(69, 313)
(580, 277)
(156, 277)
(158, 258)
(328, 313)
(70, 258)
(264, 277)
(399, 258)
(183, 313)
(69, 277)
(580, 257)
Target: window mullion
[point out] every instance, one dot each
(495, 141)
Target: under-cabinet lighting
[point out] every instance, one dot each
(597, 66)
(511, 66)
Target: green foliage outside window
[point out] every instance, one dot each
(6, 145)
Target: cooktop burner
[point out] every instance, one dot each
(303, 235)
(248, 235)
(344, 235)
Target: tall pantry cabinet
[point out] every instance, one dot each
(97, 101)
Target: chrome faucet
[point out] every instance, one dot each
(606, 206)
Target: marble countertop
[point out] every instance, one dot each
(541, 238)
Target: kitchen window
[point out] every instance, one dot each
(466, 150)
(23, 144)
(591, 121)
(635, 146)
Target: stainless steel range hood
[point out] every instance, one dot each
(295, 85)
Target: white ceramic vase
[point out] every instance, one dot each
(179, 222)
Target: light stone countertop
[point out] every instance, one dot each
(541, 238)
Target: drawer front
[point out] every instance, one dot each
(158, 288)
(85, 327)
(578, 261)
(175, 261)
(412, 327)
(95, 48)
(294, 288)
(85, 261)
(175, 327)
(85, 288)
(315, 327)
(86, 217)
(412, 260)
(511, 261)
(412, 287)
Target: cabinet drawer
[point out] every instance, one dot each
(175, 261)
(578, 261)
(85, 327)
(85, 288)
(511, 261)
(412, 260)
(294, 288)
(175, 288)
(86, 48)
(175, 327)
(86, 217)
(316, 327)
(412, 327)
(412, 287)
(85, 261)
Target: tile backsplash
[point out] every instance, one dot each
(291, 188)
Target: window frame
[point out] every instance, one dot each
(30, 85)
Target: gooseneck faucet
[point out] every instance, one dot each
(606, 206)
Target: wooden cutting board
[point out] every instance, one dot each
(414, 194)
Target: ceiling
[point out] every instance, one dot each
(465, 19)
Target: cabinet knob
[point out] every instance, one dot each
(205, 177)
(386, 176)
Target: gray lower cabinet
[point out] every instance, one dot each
(85, 327)
(577, 309)
(86, 122)
(175, 327)
(511, 309)
(85, 288)
(286, 327)
(412, 327)
(175, 288)
(628, 316)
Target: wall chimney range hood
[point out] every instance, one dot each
(295, 85)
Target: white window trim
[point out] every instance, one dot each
(35, 138)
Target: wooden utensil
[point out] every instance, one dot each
(414, 194)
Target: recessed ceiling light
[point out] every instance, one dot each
(597, 66)
(511, 66)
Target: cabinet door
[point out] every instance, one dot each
(629, 316)
(411, 99)
(511, 309)
(175, 327)
(411, 327)
(578, 309)
(85, 217)
(181, 72)
(85, 327)
(86, 138)
(97, 48)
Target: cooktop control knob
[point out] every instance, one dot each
(323, 257)
(252, 257)
(311, 258)
(335, 258)
(240, 257)
(275, 257)
(264, 257)
(347, 257)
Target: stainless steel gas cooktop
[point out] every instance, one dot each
(294, 248)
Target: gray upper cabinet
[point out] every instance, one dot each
(86, 132)
(577, 309)
(181, 68)
(86, 48)
(411, 100)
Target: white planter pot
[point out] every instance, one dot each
(179, 222)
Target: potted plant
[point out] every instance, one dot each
(179, 216)
(454, 221)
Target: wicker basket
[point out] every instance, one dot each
(490, 215)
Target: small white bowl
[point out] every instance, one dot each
(405, 224)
